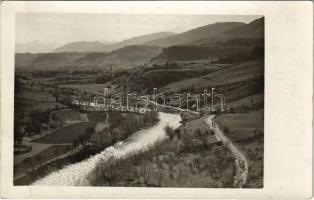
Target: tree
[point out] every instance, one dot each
(108, 171)
(28, 161)
(18, 135)
(56, 152)
(145, 172)
(39, 159)
(33, 128)
(170, 132)
(89, 131)
(159, 178)
(75, 143)
(88, 134)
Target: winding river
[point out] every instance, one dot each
(76, 174)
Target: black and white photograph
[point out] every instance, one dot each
(156, 99)
(139, 100)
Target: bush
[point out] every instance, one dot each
(170, 132)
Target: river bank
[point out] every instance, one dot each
(106, 134)
(76, 174)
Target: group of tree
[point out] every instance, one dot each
(83, 140)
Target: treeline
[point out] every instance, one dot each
(230, 51)
(118, 130)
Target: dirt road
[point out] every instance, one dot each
(241, 163)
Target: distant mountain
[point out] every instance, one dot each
(143, 39)
(200, 33)
(96, 46)
(24, 59)
(46, 61)
(52, 61)
(253, 30)
(34, 47)
(228, 42)
(234, 45)
(120, 56)
(82, 46)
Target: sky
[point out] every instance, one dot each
(63, 28)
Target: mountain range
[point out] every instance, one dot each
(96, 46)
(200, 33)
(35, 47)
(219, 40)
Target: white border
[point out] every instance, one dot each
(288, 97)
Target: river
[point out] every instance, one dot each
(76, 174)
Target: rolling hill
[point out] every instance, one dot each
(237, 44)
(228, 42)
(96, 46)
(82, 46)
(120, 56)
(52, 61)
(200, 33)
(253, 30)
(144, 39)
(34, 47)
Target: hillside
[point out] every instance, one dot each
(46, 61)
(96, 46)
(34, 47)
(235, 45)
(239, 83)
(253, 30)
(52, 61)
(124, 55)
(200, 33)
(24, 59)
(82, 46)
(142, 39)
(230, 51)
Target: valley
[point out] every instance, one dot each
(61, 138)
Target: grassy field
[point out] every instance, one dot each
(241, 126)
(66, 134)
(253, 102)
(96, 117)
(231, 73)
(114, 117)
(93, 88)
(45, 155)
(64, 115)
(30, 99)
(35, 95)
(27, 105)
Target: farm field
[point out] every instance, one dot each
(27, 99)
(93, 88)
(64, 115)
(242, 126)
(28, 105)
(35, 95)
(66, 135)
(36, 159)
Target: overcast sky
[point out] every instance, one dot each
(63, 28)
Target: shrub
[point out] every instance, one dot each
(170, 132)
